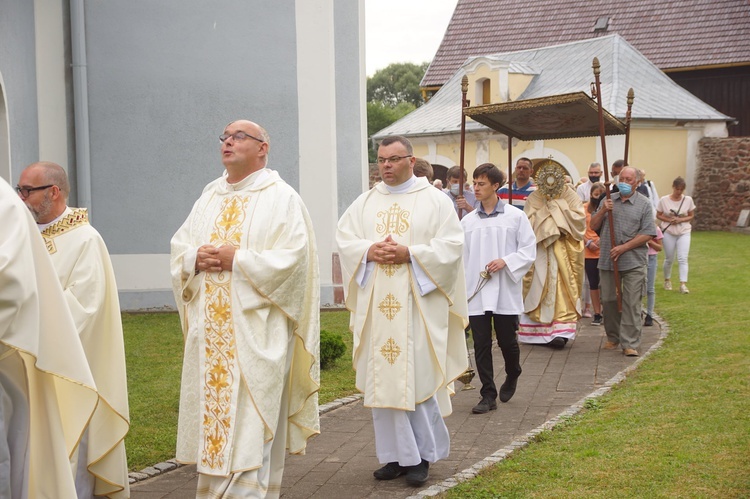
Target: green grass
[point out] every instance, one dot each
(153, 350)
(677, 427)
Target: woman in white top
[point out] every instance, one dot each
(675, 212)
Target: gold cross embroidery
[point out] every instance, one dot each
(389, 268)
(389, 306)
(390, 351)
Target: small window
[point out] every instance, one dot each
(601, 24)
(486, 92)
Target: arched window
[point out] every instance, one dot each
(486, 99)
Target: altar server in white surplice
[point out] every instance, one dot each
(400, 246)
(85, 272)
(245, 277)
(47, 393)
(500, 248)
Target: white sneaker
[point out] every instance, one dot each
(667, 284)
(683, 288)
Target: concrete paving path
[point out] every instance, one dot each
(339, 462)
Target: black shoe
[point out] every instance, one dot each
(558, 343)
(484, 406)
(598, 319)
(390, 471)
(649, 321)
(416, 476)
(508, 388)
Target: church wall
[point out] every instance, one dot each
(160, 93)
(663, 154)
(52, 66)
(663, 150)
(351, 95)
(164, 78)
(18, 79)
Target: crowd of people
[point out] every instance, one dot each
(422, 266)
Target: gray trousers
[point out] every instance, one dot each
(623, 328)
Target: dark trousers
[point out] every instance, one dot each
(506, 327)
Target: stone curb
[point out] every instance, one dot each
(531, 436)
(172, 464)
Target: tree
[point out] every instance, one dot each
(379, 116)
(392, 93)
(396, 83)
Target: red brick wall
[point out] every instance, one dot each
(722, 187)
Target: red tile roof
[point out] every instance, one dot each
(673, 34)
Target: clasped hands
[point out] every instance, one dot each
(388, 251)
(212, 259)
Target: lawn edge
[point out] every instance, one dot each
(172, 464)
(520, 443)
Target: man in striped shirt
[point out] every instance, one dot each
(522, 186)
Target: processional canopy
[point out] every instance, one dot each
(554, 117)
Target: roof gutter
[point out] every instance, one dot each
(80, 104)
(706, 66)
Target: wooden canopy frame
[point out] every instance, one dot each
(555, 117)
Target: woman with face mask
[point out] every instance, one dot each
(675, 212)
(591, 251)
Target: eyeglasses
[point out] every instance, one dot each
(26, 191)
(392, 159)
(238, 136)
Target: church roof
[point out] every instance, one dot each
(564, 69)
(673, 34)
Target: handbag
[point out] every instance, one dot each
(664, 229)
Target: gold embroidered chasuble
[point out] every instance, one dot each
(246, 328)
(407, 347)
(85, 272)
(36, 328)
(552, 288)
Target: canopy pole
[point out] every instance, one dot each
(631, 98)
(610, 215)
(464, 105)
(510, 170)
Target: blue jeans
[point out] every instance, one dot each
(651, 284)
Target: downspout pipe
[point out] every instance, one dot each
(80, 104)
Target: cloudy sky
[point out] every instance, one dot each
(404, 30)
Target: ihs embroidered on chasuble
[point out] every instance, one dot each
(394, 220)
(78, 217)
(390, 351)
(220, 369)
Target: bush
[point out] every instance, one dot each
(331, 348)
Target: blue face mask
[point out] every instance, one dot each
(625, 189)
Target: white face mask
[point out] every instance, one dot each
(454, 189)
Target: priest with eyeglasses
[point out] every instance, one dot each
(245, 276)
(400, 246)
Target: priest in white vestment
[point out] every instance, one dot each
(500, 248)
(85, 272)
(553, 286)
(245, 275)
(400, 246)
(47, 393)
